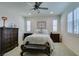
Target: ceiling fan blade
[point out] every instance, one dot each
(38, 3)
(43, 8)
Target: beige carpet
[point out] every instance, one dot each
(60, 50)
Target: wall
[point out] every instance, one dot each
(48, 20)
(70, 40)
(13, 18)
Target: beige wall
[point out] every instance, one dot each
(48, 20)
(70, 40)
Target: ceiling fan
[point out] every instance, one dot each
(37, 6)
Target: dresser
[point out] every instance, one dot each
(8, 39)
(55, 37)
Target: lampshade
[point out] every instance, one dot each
(4, 18)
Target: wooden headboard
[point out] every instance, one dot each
(26, 34)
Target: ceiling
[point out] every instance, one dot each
(25, 8)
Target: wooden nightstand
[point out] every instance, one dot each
(55, 37)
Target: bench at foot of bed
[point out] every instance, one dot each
(35, 48)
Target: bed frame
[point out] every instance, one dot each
(29, 47)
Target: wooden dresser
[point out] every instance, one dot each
(55, 37)
(8, 39)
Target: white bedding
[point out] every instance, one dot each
(40, 39)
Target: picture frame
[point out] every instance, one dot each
(41, 24)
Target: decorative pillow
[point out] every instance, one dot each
(42, 31)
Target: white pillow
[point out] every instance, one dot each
(42, 31)
(38, 31)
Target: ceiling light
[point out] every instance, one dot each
(29, 13)
(51, 12)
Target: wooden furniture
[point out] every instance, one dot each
(26, 34)
(41, 48)
(8, 39)
(55, 37)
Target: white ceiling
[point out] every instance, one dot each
(25, 7)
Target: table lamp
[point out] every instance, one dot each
(4, 18)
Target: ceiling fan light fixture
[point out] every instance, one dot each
(51, 12)
(29, 14)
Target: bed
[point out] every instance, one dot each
(40, 38)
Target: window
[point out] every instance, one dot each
(54, 25)
(73, 21)
(76, 21)
(28, 27)
(70, 22)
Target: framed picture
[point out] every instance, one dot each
(41, 25)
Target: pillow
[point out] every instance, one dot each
(42, 31)
(38, 31)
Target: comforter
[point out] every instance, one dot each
(40, 39)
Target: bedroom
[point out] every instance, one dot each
(20, 15)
